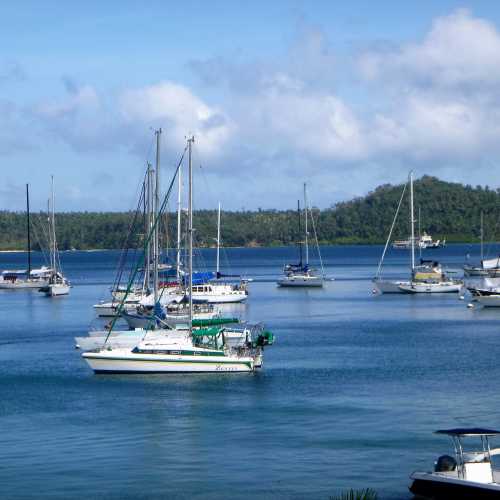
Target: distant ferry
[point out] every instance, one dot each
(423, 242)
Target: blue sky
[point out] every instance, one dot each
(345, 95)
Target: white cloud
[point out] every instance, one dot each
(180, 112)
(458, 50)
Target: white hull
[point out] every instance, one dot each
(56, 290)
(110, 309)
(137, 321)
(488, 300)
(22, 285)
(130, 338)
(301, 281)
(444, 287)
(221, 298)
(390, 286)
(124, 361)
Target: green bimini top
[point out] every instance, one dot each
(206, 332)
(214, 321)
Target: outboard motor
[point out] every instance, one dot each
(445, 463)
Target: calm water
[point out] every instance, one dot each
(349, 395)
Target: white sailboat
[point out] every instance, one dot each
(302, 275)
(57, 284)
(21, 279)
(180, 351)
(427, 277)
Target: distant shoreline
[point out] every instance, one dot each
(343, 244)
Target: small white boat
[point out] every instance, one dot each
(57, 285)
(303, 277)
(467, 474)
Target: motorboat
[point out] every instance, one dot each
(465, 474)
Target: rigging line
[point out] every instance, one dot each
(315, 237)
(379, 269)
(147, 241)
(37, 237)
(212, 202)
(127, 241)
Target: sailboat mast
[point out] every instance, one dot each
(482, 235)
(28, 227)
(53, 227)
(190, 231)
(179, 208)
(300, 233)
(412, 222)
(307, 234)
(156, 251)
(147, 250)
(218, 240)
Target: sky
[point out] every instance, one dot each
(342, 95)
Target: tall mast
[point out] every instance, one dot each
(300, 233)
(190, 232)
(419, 234)
(179, 209)
(218, 240)
(53, 227)
(482, 235)
(28, 227)
(412, 222)
(156, 251)
(307, 234)
(147, 250)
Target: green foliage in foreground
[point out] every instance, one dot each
(367, 494)
(448, 210)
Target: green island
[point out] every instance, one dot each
(448, 210)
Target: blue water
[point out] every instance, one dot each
(348, 397)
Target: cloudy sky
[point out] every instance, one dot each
(345, 95)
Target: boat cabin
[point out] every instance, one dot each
(471, 464)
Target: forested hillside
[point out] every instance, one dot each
(448, 210)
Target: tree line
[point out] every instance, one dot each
(448, 210)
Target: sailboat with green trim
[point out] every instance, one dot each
(177, 350)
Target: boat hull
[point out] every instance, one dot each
(57, 290)
(488, 300)
(302, 282)
(108, 362)
(431, 287)
(390, 286)
(430, 486)
(22, 285)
